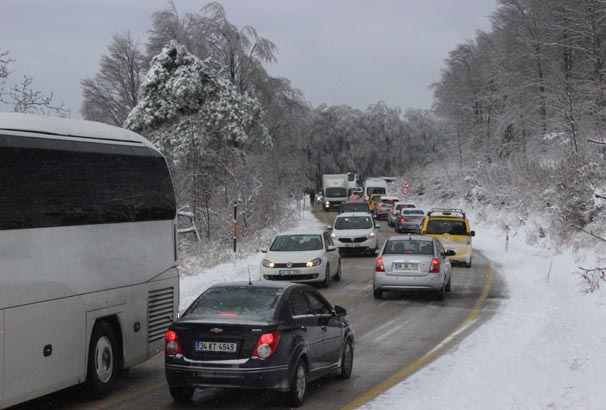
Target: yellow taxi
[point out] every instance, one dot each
(372, 201)
(451, 227)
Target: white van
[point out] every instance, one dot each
(374, 186)
(88, 279)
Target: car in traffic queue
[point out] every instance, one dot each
(354, 206)
(395, 212)
(451, 227)
(413, 263)
(355, 232)
(384, 205)
(302, 256)
(410, 220)
(257, 335)
(372, 201)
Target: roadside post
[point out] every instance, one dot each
(235, 223)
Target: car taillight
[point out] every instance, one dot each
(380, 205)
(402, 219)
(469, 239)
(379, 265)
(173, 347)
(423, 232)
(435, 266)
(365, 198)
(394, 212)
(266, 346)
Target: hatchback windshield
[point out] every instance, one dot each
(353, 222)
(297, 243)
(411, 247)
(238, 303)
(452, 227)
(336, 192)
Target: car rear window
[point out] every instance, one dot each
(440, 226)
(297, 243)
(410, 247)
(389, 201)
(353, 222)
(412, 212)
(361, 207)
(237, 303)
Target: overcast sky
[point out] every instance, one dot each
(353, 52)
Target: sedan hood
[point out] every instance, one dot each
(295, 257)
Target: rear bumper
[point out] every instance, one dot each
(240, 377)
(429, 282)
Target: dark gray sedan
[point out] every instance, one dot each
(409, 220)
(267, 335)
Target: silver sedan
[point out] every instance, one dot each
(412, 262)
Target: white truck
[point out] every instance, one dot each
(335, 187)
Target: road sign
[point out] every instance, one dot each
(404, 190)
(405, 187)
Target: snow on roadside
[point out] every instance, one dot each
(544, 349)
(198, 279)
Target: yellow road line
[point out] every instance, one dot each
(427, 357)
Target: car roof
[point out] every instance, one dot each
(308, 231)
(53, 126)
(411, 209)
(390, 197)
(355, 201)
(446, 213)
(254, 284)
(345, 214)
(411, 237)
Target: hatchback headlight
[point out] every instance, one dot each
(268, 264)
(333, 235)
(371, 235)
(315, 262)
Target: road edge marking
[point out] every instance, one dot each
(427, 357)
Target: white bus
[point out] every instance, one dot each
(88, 279)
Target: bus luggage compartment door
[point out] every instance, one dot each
(44, 348)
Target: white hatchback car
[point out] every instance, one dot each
(302, 256)
(355, 232)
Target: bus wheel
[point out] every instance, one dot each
(102, 369)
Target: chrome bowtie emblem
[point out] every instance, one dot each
(289, 265)
(216, 330)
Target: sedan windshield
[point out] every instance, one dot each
(242, 302)
(411, 247)
(354, 222)
(285, 243)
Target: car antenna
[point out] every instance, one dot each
(249, 280)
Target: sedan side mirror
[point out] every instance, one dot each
(331, 248)
(450, 252)
(339, 311)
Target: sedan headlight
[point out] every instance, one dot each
(333, 235)
(327, 203)
(268, 264)
(315, 262)
(371, 235)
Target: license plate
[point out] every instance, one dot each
(202, 346)
(351, 245)
(406, 266)
(290, 272)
